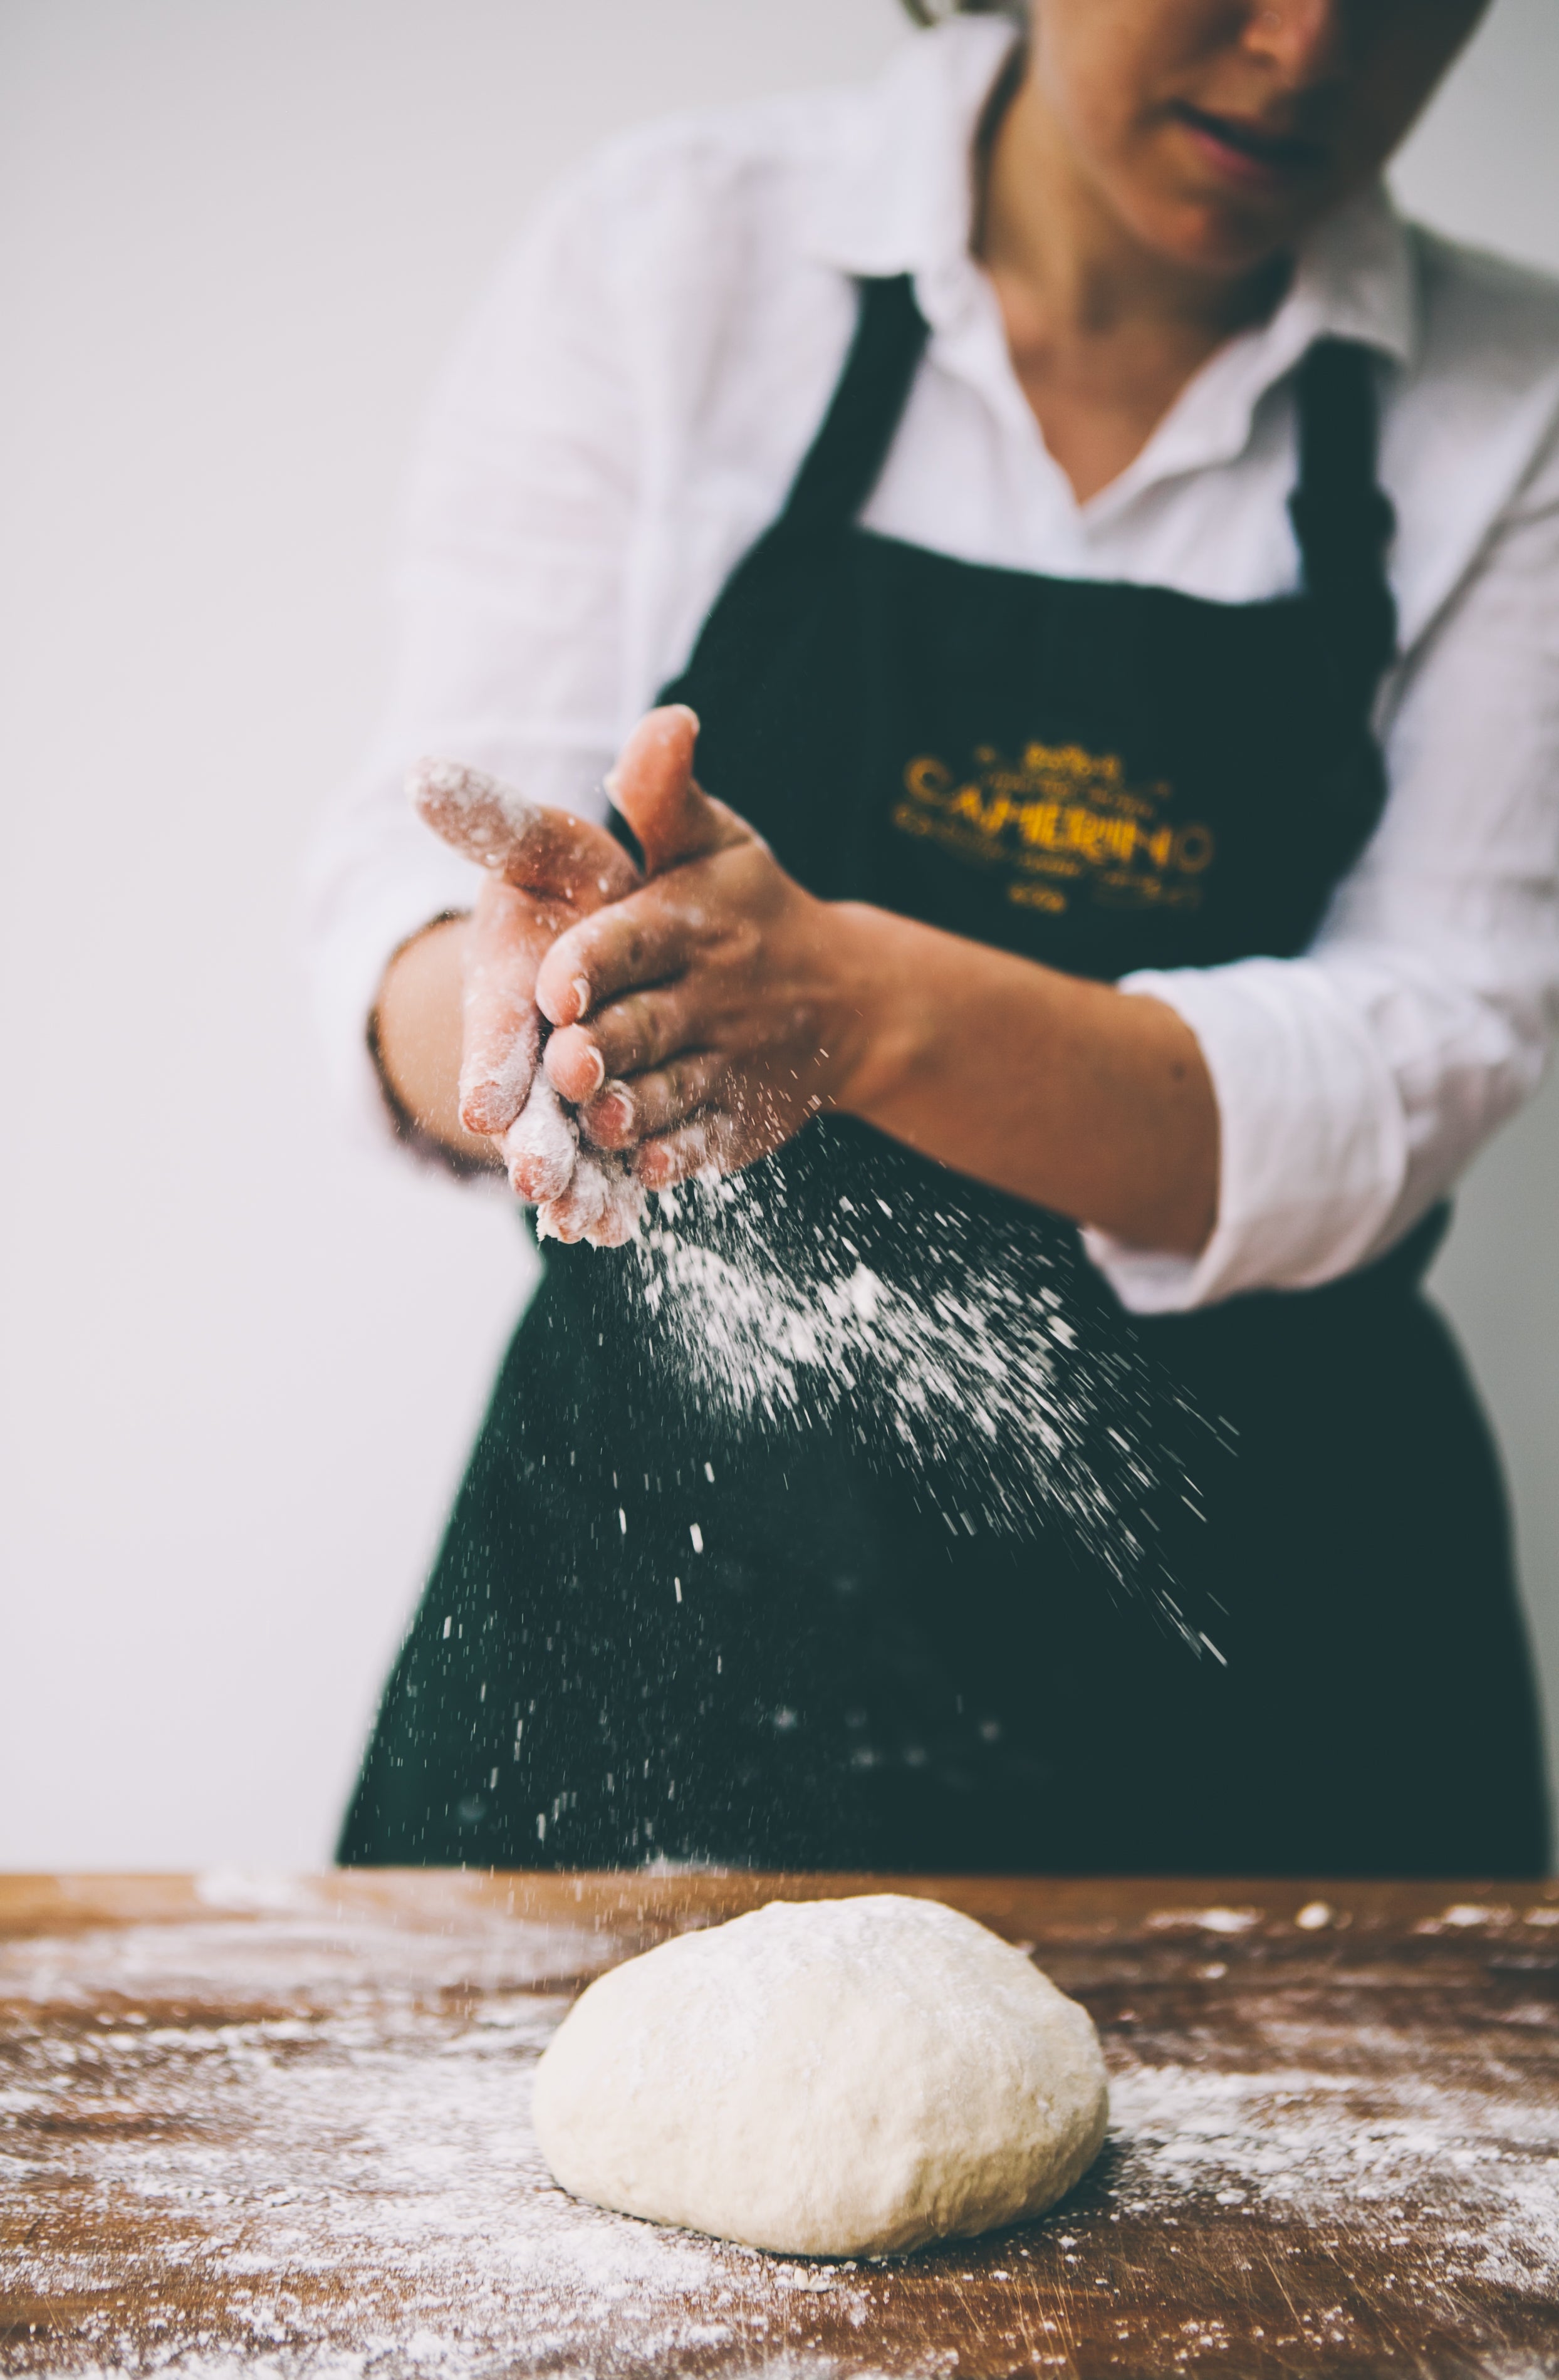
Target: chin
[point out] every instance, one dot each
(1208, 235)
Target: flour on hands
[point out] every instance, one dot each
(546, 870)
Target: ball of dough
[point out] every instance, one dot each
(825, 2078)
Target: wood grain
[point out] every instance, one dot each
(281, 2123)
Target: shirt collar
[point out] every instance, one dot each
(1353, 279)
(897, 195)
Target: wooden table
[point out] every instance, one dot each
(282, 2125)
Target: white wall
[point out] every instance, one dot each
(242, 1363)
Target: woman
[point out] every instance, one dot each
(1106, 566)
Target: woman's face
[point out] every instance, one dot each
(1218, 130)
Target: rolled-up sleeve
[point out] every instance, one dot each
(512, 554)
(1356, 1083)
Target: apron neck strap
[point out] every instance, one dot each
(1343, 520)
(847, 455)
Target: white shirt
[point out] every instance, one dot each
(625, 417)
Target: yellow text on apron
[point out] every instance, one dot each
(1061, 823)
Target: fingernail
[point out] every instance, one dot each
(689, 712)
(622, 1099)
(581, 995)
(598, 1063)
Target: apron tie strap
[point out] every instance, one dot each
(847, 457)
(1343, 522)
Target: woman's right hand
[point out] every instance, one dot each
(546, 870)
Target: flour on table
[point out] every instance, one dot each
(293, 2147)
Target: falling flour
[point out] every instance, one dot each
(969, 1351)
(845, 1283)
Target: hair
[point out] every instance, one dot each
(932, 12)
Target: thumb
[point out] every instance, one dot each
(654, 786)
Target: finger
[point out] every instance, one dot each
(652, 785)
(713, 1143)
(545, 851)
(624, 1210)
(501, 1051)
(473, 811)
(638, 1032)
(624, 1113)
(638, 942)
(541, 1150)
(581, 1207)
(501, 1035)
(573, 1065)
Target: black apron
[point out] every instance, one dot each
(659, 1631)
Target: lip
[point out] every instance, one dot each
(1247, 153)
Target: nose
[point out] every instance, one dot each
(1307, 41)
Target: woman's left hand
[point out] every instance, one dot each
(701, 1020)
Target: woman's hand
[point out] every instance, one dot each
(702, 1012)
(700, 1019)
(546, 870)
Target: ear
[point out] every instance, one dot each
(652, 785)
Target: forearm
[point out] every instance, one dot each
(1092, 1102)
(417, 1037)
